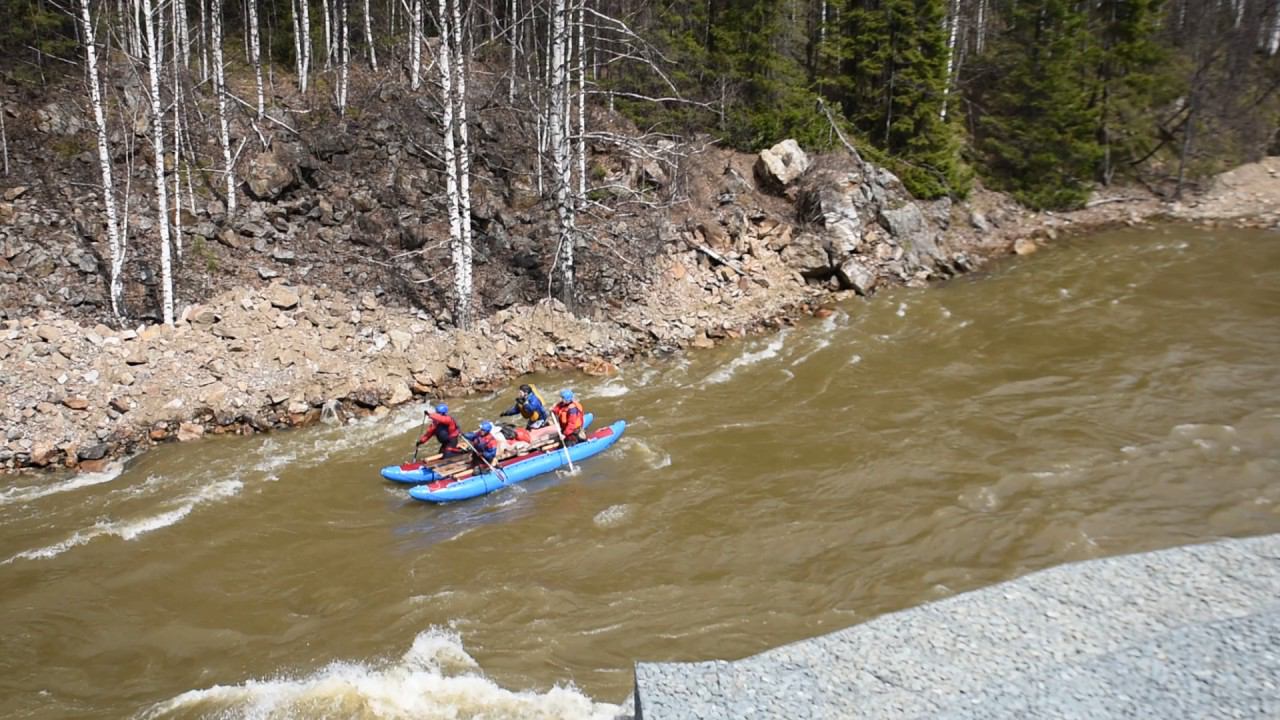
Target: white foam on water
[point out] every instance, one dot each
(614, 387)
(747, 359)
(611, 515)
(821, 344)
(902, 310)
(654, 459)
(132, 529)
(855, 359)
(28, 493)
(435, 679)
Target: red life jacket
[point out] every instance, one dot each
(570, 422)
(443, 428)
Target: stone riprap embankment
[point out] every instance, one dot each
(1191, 632)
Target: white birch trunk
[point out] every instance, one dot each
(304, 75)
(557, 125)
(344, 55)
(459, 253)
(368, 38)
(135, 37)
(464, 146)
(255, 54)
(181, 33)
(220, 90)
(580, 145)
(157, 143)
(951, 54)
(982, 26)
(204, 41)
(177, 129)
(115, 242)
(415, 46)
(512, 34)
(328, 35)
(1273, 38)
(297, 40)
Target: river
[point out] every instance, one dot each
(1114, 394)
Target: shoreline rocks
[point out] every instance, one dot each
(287, 354)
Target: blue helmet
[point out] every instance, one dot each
(566, 395)
(486, 426)
(442, 409)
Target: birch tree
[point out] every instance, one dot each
(304, 55)
(328, 35)
(415, 45)
(115, 242)
(157, 143)
(255, 54)
(455, 181)
(557, 122)
(344, 56)
(220, 90)
(368, 38)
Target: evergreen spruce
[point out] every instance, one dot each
(1038, 130)
(892, 81)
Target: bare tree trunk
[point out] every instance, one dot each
(297, 40)
(177, 128)
(305, 74)
(580, 145)
(204, 41)
(115, 242)
(1273, 38)
(513, 33)
(460, 253)
(157, 143)
(368, 38)
(328, 35)
(951, 54)
(181, 33)
(344, 55)
(464, 146)
(982, 26)
(220, 90)
(415, 46)
(4, 140)
(557, 125)
(255, 54)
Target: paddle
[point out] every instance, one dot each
(498, 472)
(417, 445)
(563, 445)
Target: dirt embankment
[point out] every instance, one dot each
(307, 312)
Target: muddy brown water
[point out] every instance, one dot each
(1115, 394)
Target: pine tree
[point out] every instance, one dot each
(1038, 130)
(892, 83)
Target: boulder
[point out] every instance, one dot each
(400, 340)
(92, 452)
(807, 254)
(282, 297)
(190, 431)
(854, 275)
(268, 176)
(400, 394)
(779, 166)
(907, 225)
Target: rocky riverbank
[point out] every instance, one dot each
(760, 241)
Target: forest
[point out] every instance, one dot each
(1044, 99)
